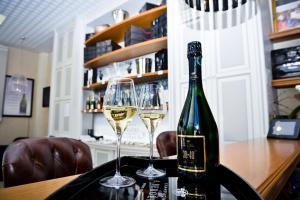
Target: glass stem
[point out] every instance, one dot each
(151, 149)
(118, 163)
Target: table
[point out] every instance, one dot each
(266, 164)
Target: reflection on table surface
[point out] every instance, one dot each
(162, 188)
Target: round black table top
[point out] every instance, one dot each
(227, 186)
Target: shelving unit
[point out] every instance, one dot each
(285, 35)
(129, 52)
(147, 77)
(286, 83)
(117, 31)
(92, 111)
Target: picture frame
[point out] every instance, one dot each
(17, 104)
(286, 14)
(284, 129)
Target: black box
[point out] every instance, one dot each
(108, 43)
(46, 96)
(132, 42)
(94, 78)
(89, 53)
(85, 78)
(147, 6)
(106, 46)
(161, 60)
(286, 62)
(88, 35)
(136, 35)
(159, 26)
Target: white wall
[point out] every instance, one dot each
(41, 117)
(29, 66)
(3, 65)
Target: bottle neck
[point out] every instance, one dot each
(195, 75)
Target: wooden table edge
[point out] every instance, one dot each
(48, 187)
(274, 184)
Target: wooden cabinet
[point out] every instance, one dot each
(116, 32)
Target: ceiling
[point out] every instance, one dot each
(36, 19)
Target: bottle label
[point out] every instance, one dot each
(191, 153)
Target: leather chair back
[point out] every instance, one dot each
(166, 143)
(37, 159)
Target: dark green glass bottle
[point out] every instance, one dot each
(197, 132)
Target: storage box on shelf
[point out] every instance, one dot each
(136, 35)
(284, 36)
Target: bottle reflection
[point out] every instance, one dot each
(200, 190)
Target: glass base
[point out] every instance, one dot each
(150, 172)
(117, 181)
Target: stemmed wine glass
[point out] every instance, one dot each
(152, 110)
(119, 108)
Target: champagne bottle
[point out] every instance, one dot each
(197, 133)
(23, 104)
(92, 103)
(99, 102)
(87, 103)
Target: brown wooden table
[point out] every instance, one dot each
(265, 164)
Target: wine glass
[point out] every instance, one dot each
(119, 108)
(152, 110)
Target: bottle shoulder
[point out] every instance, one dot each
(196, 114)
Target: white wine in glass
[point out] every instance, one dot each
(119, 108)
(119, 116)
(152, 110)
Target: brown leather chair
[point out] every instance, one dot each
(166, 143)
(37, 159)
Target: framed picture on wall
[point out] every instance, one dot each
(46, 96)
(17, 104)
(286, 14)
(284, 129)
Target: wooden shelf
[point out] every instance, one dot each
(286, 83)
(285, 35)
(92, 111)
(129, 52)
(152, 76)
(117, 31)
